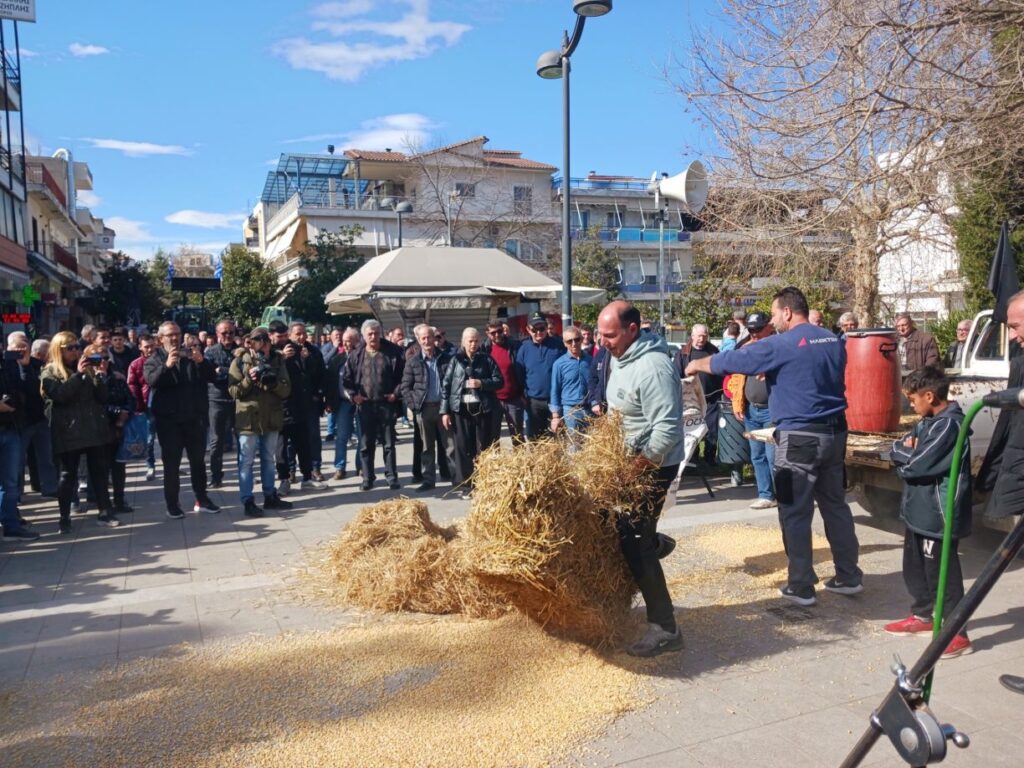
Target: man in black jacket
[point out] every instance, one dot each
(421, 391)
(337, 403)
(1002, 471)
(222, 407)
(177, 379)
(311, 363)
(11, 419)
(373, 380)
(697, 348)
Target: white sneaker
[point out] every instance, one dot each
(150, 474)
(315, 485)
(764, 504)
(283, 488)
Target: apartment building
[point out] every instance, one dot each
(14, 271)
(620, 212)
(462, 194)
(67, 245)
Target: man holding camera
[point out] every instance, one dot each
(258, 380)
(177, 377)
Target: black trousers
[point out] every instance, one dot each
(377, 420)
(296, 441)
(921, 559)
(639, 542)
(118, 471)
(96, 459)
(473, 433)
(176, 437)
(538, 423)
(442, 453)
(222, 432)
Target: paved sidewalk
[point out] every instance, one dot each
(796, 692)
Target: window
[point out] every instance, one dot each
(465, 189)
(522, 198)
(989, 345)
(611, 220)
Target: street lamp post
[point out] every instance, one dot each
(400, 208)
(553, 65)
(452, 195)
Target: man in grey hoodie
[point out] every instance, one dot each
(643, 386)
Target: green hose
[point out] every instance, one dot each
(947, 533)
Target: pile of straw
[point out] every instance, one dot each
(393, 557)
(540, 538)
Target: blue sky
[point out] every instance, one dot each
(180, 109)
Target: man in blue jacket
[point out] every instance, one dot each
(804, 367)
(534, 362)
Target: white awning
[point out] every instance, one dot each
(284, 242)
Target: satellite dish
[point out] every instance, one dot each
(689, 187)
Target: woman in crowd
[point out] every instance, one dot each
(467, 401)
(76, 400)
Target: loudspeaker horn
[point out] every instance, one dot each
(689, 187)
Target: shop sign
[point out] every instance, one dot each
(19, 10)
(16, 317)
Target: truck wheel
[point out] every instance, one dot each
(883, 505)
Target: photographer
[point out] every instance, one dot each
(222, 407)
(177, 377)
(259, 383)
(76, 399)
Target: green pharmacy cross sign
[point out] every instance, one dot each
(29, 296)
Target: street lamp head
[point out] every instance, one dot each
(404, 207)
(549, 65)
(591, 7)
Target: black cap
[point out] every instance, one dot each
(538, 319)
(756, 321)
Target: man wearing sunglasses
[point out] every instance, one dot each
(569, 377)
(534, 362)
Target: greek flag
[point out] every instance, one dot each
(218, 269)
(170, 271)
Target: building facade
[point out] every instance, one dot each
(14, 269)
(462, 195)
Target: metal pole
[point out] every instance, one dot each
(449, 219)
(399, 230)
(661, 270)
(566, 235)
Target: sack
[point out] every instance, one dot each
(136, 436)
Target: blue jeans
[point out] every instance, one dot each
(345, 425)
(151, 443)
(36, 438)
(10, 484)
(762, 455)
(330, 423)
(575, 418)
(266, 444)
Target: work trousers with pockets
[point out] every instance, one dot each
(473, 433)
(809, 468)
(222, 433)
(377, 420)
(176, 437)
(96, 458)
(921, 558)
(638, 539)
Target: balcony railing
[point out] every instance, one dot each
(64, 257)
(13, 76)
(635, 185)
(37, 174)
(634, 235)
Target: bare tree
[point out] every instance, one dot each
(853, 117)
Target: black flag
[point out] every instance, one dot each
(1002, 279)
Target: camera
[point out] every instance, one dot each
(265, 374)
(94, 359)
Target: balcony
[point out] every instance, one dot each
(41, 177)
(630, 185)
(64, 257)
(634, 235)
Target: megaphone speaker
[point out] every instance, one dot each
(689, 187)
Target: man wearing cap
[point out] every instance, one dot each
(750, 405)
(535, 359)
(804, 368)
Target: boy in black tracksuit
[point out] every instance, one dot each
(923, 459)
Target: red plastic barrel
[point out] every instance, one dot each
(872, 380)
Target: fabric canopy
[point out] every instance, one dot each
(446, 278)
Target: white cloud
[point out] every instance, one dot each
(400, 132)
(138, 148)
(205, 219)
(129, 230)
(360, 43)
(87, 198)
(27, 53)
(84, 49)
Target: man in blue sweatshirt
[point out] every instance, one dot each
(804, 367)
(535, 360)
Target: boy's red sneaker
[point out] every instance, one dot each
(958, 646)
(911, 625)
